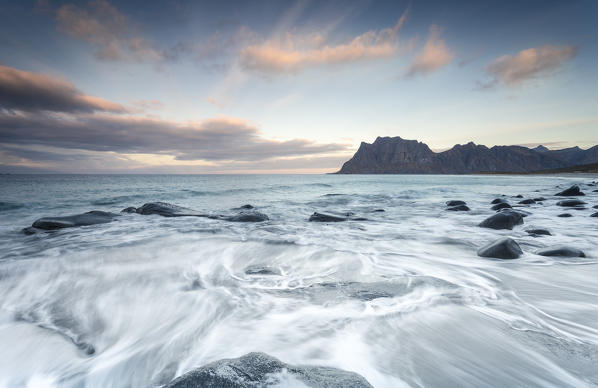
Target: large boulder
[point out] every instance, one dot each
(261, 370)
(561, 251)
(571, 191)
(571, 203)
(504, 248)
(502, 220)
(90, 218)
(455, 203)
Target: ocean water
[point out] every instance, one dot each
(402, 298)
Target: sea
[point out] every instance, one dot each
(397, 295)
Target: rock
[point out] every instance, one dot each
(130, 209)
(455, 203)
(262, 270)
(594, 215)
(571, 203)
(498, 200)
(502, 205)
(503, 248)
(594, 191)
(167, 210)
(528, 201)
(459, 208)
(562, 251)
(565, 215)
(539, 232)
(247, 207)
(523, 213)
(245, 216)
(595, 207)
(379, 211)
(90, 218)
(502, 220)
(571, 191)
(261, 370)
(319, 217)
(518, 196)
(539, 199)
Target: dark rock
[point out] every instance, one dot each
(595, 207)
(379, 210)
(498, 200)
(262, 270)
(571, 203)
(247, 206)
(518, 196)
(260, 370)
(565, 215)
(459, 208)
(30, 230)
(504, 248)
(130, 209)
(528, 201)
(539, 232)
(571, 191)
(90, 218)
(539, 199)
(245, 216)
(594, 191)
(455, 203)
(562, 251)
(502, 205)
(167, 210)
(523, 213)
(594, 215)
(502, 220)
(319, 217)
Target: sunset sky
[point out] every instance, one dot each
(274, 86)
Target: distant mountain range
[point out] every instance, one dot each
(394, 155)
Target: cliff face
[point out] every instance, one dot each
(394, 155)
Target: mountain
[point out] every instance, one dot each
(394, 155)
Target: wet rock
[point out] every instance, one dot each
(262, 270)
(245, 216)
(595, 207)
(561, 251)
(502, 220)
(379, 211)
(528, 201)
(261, 370)
(523, 213)
(498, 200)
(459, 208)
(571, 203)
(594, 191)
(455, 203)
(165, 209)
(129, 209)
(539, 232)
(594, 215)
(565, 215)
(504, 248)
(247, 206)
(539, 199)
(320, 217)
(571, 191)
(502, 205)
(518, 196)
(90, 218)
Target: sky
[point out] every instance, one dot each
(174, 86)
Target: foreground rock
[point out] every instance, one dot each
(570, 192)
(455, 203)
(561, 251)
(504, 248)
(502, 220)
(53, 223)
(262, 370)
(459, 208)
(571, 203)
(539, 232)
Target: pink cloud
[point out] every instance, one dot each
(433, 56)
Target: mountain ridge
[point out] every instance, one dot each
(395, 155)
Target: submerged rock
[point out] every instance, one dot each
(595, 207)
(539, 199)
(247, 206)
(498, 200)
(459, 208)
(261, 370)
(523, 213)
(262, 270)
(562, 251)
(90, 218)
(504, 248)
(502, 220)
(379, 211)
(244, 216)
(455, 203)
(502, 205)
(518, 196)
(539, 232)
(528, 201)
(594, 215)
(320, 217)
(571, 191)
(129, 209)
(565, 215)
(571, 203)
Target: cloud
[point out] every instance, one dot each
(27, 91)
(295, 53)
(434, 55)
(527, 64)
(102, 25)
(213, 139)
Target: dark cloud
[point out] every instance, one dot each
(27, 91)
(214, 139)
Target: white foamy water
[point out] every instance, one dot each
(402, 298)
